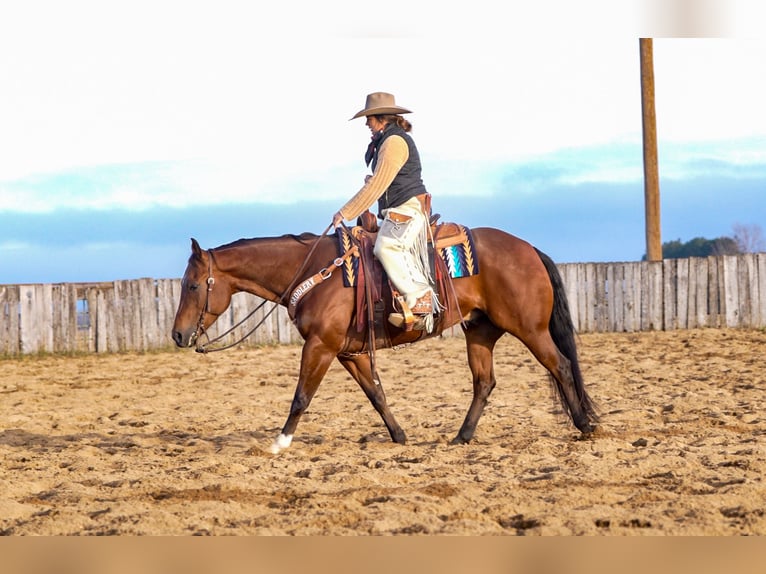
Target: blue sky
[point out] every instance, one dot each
(126, 131)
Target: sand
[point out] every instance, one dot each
(177, 443)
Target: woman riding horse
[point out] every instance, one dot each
(404, 206)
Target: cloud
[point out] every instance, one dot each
(177, 184)
(743, 158)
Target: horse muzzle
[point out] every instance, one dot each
(184, 339)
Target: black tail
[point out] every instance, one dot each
(562, 331)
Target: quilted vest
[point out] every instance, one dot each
(408, 182)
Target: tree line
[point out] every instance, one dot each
(744, 239)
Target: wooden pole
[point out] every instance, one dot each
(651, 170)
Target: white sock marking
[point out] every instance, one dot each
(281, 442)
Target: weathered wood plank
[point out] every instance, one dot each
(133, 312)
(266, 333)
(100, 320)
(601, 301)
(285, 329)
(594, 295)
(761, 290)
(652, 296)
(632, 303)
(616, 281)
(63, 326)
(240, 305)
(30, 305)
(669, 293)
(175, 289)
(702, 300)
(569, 277)
(115, 322)
(682, 294)
(91, 300)
(730, 283)
(165, 311)
(691, 309)
(716, 292)
(748, 286)
(10, 342)
(580, 300)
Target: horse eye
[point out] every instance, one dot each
(193, 286)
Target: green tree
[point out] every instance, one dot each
(699, 247)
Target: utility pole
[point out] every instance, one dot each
(651, 170)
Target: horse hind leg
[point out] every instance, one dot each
(574, 400)
(360, 369)
(481, 338)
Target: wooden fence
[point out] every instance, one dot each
(137, 315)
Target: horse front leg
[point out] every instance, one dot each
(315, 360)
(360, 368)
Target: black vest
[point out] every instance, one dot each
(408, 182)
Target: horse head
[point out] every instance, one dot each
(205, 294)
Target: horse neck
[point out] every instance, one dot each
(266, 266)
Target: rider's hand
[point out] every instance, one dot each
(337, 219)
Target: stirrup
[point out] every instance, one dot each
(415, 318)
(404, 320)
(418, 323)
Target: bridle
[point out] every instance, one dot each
(200, 330)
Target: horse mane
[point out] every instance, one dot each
(304, 238)
(237, 243)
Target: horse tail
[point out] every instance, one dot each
(562, 332)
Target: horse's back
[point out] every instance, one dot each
(497, 248)
(513, 286)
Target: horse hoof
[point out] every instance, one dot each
(587, 428)
(280, 443)
(399, 437)
(587, 432)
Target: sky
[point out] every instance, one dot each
(126, 129)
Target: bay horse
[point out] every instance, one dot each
(518, 291)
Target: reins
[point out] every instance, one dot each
(370, 310)
(205, 348)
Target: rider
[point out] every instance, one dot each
(404, 206)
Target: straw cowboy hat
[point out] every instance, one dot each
(380, 103)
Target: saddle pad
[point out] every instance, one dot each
(454, 243)
(351, 265)
(457, 251)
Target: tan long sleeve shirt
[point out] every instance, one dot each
(392, 155)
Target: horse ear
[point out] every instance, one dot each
(196, 249)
